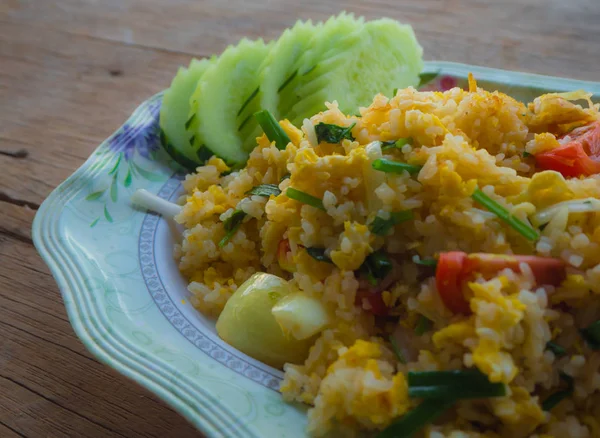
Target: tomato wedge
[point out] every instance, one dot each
(546, 270)
(449, 278)
(579, 157)
(455, 268)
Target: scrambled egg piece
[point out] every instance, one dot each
(360, 388)
(354, 246)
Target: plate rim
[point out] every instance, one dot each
(201, 409)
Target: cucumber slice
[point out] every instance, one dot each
(328, 38)
(174, 112)
(279, 68)
(224, 100)
(377, 58)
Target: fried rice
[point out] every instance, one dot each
(463, 139)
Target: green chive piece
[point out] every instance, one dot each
(591, 334)
(427, 412)
(394, 92)
(284, 177)
(390, 166)
(318, 254)
(304, 198)
(231, 225)
(265, 190)
(273, 129)
(504, 214)
(527, 154)
(379, 264)
(427, 262)
(382, 227)
(556, 349)
(395, 144)
(333, 133)
(396, 350)
(458, 384)
(558, 396)
(424, 324)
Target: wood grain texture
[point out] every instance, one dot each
(72, 71)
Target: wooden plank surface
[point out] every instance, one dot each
(71, 71)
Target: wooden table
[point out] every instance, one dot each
(71, 72)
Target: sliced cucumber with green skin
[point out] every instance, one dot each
(327, 39)
(219, 98)
(381, 56)
(279, 68)
(174, 114)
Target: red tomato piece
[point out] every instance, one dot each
(579, 157)
(448, 278)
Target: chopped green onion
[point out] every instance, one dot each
(390, 166)
(379, 264)
(396, 350)
(273, 129)
(304, 198)
(504, 214)
(558, 396)
(381, 227)
(394, 92)
(284, 177)
(527, 154)
(265, 190)
(231, 225)
(333, 133)
(423, 325)
(591, 334)
(426, 262)
(556, 349)
(427, 412)
(455, 385)
(395, 144)
(318, 254)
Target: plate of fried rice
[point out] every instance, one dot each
(426, 266)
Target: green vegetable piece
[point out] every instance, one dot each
(224, 98)
(427, 412)
(591, 334)
(527, 154)
(504, 214)
(265, 190)
(272, 129)
(558, 396)
(382, 227)
(427, 262)
(395, 144)
(231, 225)
(390, 166)
(279, 69)
(318, 254)
(376, 266)
(304, 198)
(175, 121)
(396, 350)
(424, 324)
(556, 349)
(333, 133)
(452, 385)
(354, 62)
(247, 322)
